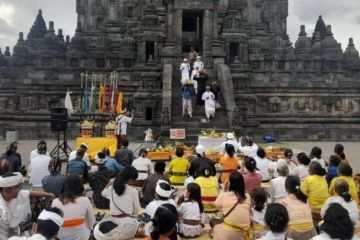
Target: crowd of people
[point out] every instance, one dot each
(244, 196)
(194, 79)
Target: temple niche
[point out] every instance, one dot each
(270, 85)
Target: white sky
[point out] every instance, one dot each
(19, 15)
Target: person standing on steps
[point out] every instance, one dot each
(201, 79)
(186, 100)
(121, 130)
(198, 63)
(192, 57)
(209, 99)
(185, 71)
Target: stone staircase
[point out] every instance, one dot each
(195, 124)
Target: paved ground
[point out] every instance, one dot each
(352, 149)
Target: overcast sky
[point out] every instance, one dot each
(19, 15)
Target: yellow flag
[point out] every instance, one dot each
(119, 103)
(101, 98)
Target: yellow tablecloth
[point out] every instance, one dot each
(97, 145)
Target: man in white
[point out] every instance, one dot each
(209, 99)
(230, 139)
(15, 204)
(39, 166)
(122, 121)
(34, 153)
(143, 165)
(198, 63)
(48, 225)
(185, 71)
(193, 74)
(265, 166)
(86, 158)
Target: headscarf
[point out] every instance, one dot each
(54, 217)
(11, 181)
(162, 192)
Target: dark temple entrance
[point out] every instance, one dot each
(192, 23)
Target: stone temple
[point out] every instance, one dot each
(309, 90)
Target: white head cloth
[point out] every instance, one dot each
(162, 192)
(11, 181)
(56, 218)
(230, 135)
(200, 149)
(185, 60)
(126, 229)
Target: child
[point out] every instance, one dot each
(251, 177)
(258, 209)
(164, 223)
(276, 219)
(191, 212)
(186, 99)
(209, 99)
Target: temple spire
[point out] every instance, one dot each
(38, 29)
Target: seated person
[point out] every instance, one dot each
(164, 222)
(112, 228)
(78, 166)
(209, 189)
(48, 225)
(148, 190)
(178, 168)
(54, 182)
(144, 167)
(98, 181)
(111, 163)
(200, 162)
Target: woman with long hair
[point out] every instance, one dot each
(124, 200)
(191, 212)
(315, 188)
(235, 204)
(339, 151)
(337, 224)
(54, 182)
(301, 225)
(164, 222)
(259, 199)
(229, 162)
(79, 217)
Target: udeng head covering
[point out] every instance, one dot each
(162, 192)
(230, 136)
(54, 217)
(185, 60)
(126, 228)
(10, 181)
(200, 150)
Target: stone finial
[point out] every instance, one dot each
(317, 36)
(21, 37)
(328, 30)
(40, 12)
(302, 31)
(7, 51)
(351, 42)
(1, 52)
(51, 26)
(67, 39)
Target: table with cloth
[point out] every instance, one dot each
(210, 143)
(97, 144)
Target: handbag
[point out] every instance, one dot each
(215, 221)
(123, 212)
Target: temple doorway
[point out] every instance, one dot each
(192, 27)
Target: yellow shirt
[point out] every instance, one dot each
(178, 170)
(316, 189)
(352, 187)
(209, 191)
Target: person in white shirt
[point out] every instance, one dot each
(198, 63)
(230, 139)
(47, 225)
(121, 130)
(315, 156)
(302, 169)
(195, 72)
(34, 153)
(143, 165)
(277, 185)
(343, 197)
(39, 166)
(185, 71)
(248, 147)
(163, 194)
(15, 204)
(259, 199)
(276, 219)
(265, 166)
(337, 224)
(209, 99)
(86, 158)
(288, 154)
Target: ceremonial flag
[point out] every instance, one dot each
(86, 103)
(119, 102)
(101, 95)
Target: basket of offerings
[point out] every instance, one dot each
(110, 129)
(87, 129)
(274, 153)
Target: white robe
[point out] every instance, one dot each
(209, 99)
(185, 72)
(68, 103)
(199, 64)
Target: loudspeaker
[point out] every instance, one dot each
(58, 119)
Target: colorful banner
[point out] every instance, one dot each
(97, 145)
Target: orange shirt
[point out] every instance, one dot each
(229, 164)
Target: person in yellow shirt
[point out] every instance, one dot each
(209, 188)
(345, 172)
(315, 188)
(229, 162)
(178, 168)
